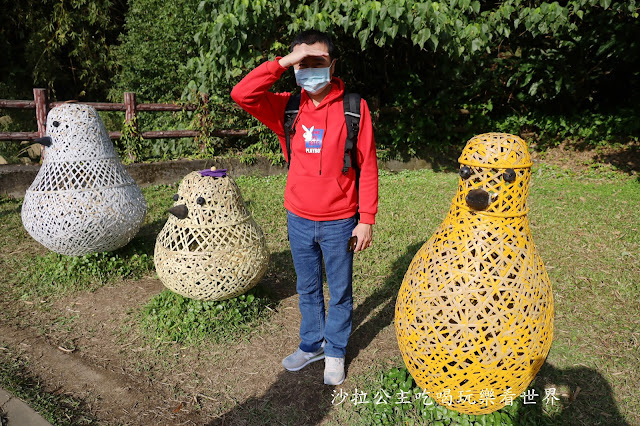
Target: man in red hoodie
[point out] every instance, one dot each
(321, 200)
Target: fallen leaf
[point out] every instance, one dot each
(575, 394)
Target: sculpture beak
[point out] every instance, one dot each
(46, 141)
(181, 211)
(478, 199)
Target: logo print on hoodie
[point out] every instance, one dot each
(312, 139)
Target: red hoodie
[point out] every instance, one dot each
(316, 187)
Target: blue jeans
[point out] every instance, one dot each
(310, 242)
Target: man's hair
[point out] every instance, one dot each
(314, 36)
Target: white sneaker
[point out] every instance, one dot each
(300, 359)
(333, 371)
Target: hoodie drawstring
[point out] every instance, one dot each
(326, 127)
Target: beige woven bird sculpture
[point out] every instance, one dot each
(82, 200)
(474, 314)
(210, 248)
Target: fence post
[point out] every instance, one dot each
(130, 118)
(42, 103)
(204, 116)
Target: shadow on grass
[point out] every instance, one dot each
(280, 277)
(626, 159)
(10, 211)
(301, 397)
(590, 401)
(445, 158)
(383, 300)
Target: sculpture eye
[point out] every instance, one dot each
(465, 172)
(509, 175)
(56, 123)
(176, 197)
(200, 200)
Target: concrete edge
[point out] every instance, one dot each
(17, 412)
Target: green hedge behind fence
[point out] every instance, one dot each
(434, 72)
(438, 71)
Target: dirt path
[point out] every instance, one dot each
(93, 351)
(81, 362)
(110, 394)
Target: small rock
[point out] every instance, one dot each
(2, 160)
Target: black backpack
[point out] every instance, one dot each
(351, 103)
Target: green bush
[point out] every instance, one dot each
(64, 46)
(437, 72)
(155, 43)
(434, 72)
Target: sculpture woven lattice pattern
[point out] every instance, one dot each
(210, 248)
(83, 200)
(474, 314)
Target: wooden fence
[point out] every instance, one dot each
(42, 106)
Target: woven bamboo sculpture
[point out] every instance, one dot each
(210, 248)
(474, 315)
(83, 200)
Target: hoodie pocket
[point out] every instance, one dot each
(319, 195)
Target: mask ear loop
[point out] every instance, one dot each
(332, 68)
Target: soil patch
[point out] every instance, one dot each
(95, 352)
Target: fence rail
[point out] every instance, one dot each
(42, 106)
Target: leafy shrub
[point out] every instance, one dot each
(396, 399)
(590, 128)
(420, 63)
(156, 41)
(63, 46)
(172, 317)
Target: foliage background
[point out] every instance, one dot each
(433, 72)
(437, 72)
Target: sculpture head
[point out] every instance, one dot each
(207, 201)
(495, 169)
(75, 132)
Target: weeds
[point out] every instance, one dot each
(172, 317)
(394, 398)
(55, 274)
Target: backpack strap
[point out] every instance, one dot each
(290, 115)
(351, 103)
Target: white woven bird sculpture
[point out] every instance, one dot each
(83, 200)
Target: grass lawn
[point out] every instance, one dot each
(586, 226)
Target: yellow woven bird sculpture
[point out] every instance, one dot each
(474, 315)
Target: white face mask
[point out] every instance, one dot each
(313, 80)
